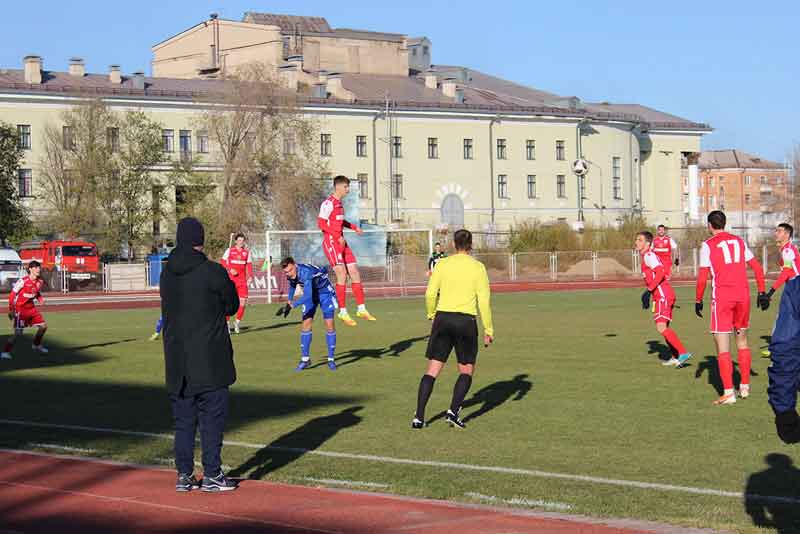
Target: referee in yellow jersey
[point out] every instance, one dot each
(462, 286)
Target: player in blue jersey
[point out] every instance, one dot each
(159, 326)
(317, 292)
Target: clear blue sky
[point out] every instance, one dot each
(733, 64)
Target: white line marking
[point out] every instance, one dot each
(60, 447)
(162, 506)
(521, 501)
(432, 463)
(337, 482)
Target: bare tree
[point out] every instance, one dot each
(266, 150)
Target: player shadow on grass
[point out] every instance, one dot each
(97, 345)
(492, 396)
(656, 347)
(354, 355)
(709, 365)
(24, 357)
(290, 447)
(772, 496)
(251, 329)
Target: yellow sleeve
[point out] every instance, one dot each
(484, 294)
(433, 291)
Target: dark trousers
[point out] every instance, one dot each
(784, 347)
(210, 409)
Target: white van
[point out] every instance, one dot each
(10, 268)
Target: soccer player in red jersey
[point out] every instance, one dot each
(664, 247)
(239, 265)
(22, 309)
(331, 221)
(788, 264)
(663, 296)
(726, 256)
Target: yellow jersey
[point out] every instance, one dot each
(462, 285)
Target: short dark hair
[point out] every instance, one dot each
(648, 236)
(717, 220)
(437, 244)
(788, 227)
(341, 179)
(463, 239)
(661, 226)
(238, 235)
(33, 263)
(285, 262)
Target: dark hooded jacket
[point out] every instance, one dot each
(196, 295)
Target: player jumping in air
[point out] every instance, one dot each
(663, 297)
(331, 221)
(23, 312)
(725, 256)
(664, 247)
(317, 291)
(240, 270)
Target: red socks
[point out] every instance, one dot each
(672, 338)
(726, 369)
(358, 292)
(341, 295)
(745, 359)
(240, 312)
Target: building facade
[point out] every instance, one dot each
(447, 146)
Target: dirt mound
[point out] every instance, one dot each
(605, 266)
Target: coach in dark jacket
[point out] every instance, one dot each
(196, 296)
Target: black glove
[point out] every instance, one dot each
(764, 299)
(284, 310)
(698, 308)
(646, 299)
(788, 426)
(677, 262)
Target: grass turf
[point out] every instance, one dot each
(572, 385)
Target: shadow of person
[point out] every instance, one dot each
(664, 351)
(289, 447)
(772, 496)
(395, 349)
(354, 355)
(714, 380)
(493, 395)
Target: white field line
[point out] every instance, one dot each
(521, 501)
(337, 482)
(433, 463)
(53, 446)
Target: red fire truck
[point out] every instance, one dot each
(76, 259)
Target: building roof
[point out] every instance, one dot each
(647, 114)
(734, 159)
(289, 23)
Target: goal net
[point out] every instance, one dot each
(390, 262)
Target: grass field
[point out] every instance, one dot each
(571, 386)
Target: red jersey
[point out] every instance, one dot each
(331, 217)
(23, 294)
(239, 259)
(788, 264)
(663, 247)
(655, 277)
(727, 256)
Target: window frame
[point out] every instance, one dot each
(361, 146)
(468, 148)
(397, 146)
(561, 186)
(167, 141)
(530, 149)
(24, 137)
(325, 145)
(502, 187)
(502, 148)
(25, 175)
(561, 150)
(531, 186)
(433, 148)
(363, 185)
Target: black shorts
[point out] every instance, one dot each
(453, 330)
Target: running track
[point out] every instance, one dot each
(53, 493)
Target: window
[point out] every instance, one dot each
(112, 139)
(501, 149)
(616, 177)
(397, 146)
(361, 146)
(747, 198)
(25, 182)
(185, 140)
(24, 132)
(289, 145)
(202, 142)
(711, 182)
(700, 181)
(397, 186)
(425, 50)
(67, 133)
(363, 186)
(325, 148)
(721, 179)
(721, 194)
(561, 186)
(530, 149)
(561, 154)
(414, 52)
(502, 186)
(748, 180)
(468, 154)
(433, 148)
(710, 201)
(531, 186)
(168, 140)
(763, 180)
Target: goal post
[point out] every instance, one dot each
(389, 260)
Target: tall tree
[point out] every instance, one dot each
(267, 151)
(15, 223)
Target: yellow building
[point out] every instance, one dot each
(428, 145)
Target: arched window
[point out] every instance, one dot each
(453, 210)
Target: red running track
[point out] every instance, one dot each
(52, 493)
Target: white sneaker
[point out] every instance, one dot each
(236, 326)
(671, 362)
(744, 391)
(726, 398)
(40, 348)
(230, 330)
(5, 355)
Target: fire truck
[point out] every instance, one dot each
(72, 261)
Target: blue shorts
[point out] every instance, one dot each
(326, 301)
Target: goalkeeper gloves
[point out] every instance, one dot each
(764, 299)
(284, 310)
(698, 308)
(788, 426)
(646, 299)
